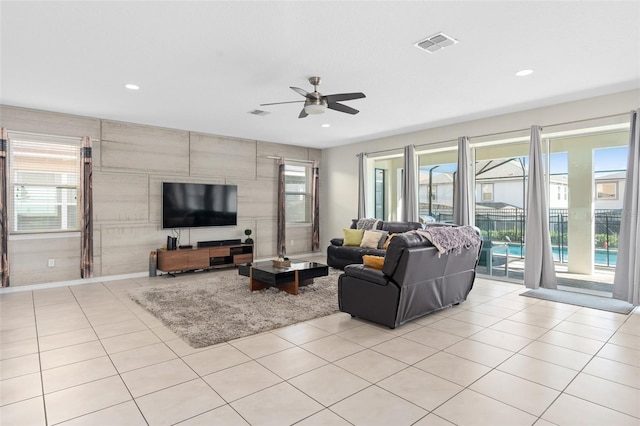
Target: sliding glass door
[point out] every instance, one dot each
(500, 205)
(437, 176)
(585, 222)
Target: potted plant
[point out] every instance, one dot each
(249, 240)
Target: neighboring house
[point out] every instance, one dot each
(609, 190)
(497, 181)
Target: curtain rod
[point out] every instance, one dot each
(552, 125)
(620, 114)
(291, 159)
(73, 138)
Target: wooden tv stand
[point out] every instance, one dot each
(182, 260)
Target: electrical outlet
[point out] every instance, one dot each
(52, 263)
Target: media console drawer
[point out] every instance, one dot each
(219, 251)
(203, 258)
(243, 258)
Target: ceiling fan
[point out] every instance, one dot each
(317, 103)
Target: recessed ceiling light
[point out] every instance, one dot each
(132, 86)
(326, 125)
(523, 73)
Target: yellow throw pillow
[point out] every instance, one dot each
(386, 243)
(353, 237)
(370, 239)
(375, 262)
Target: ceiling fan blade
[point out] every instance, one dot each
(300, 91)
(344, 97)
(278, 103)
(303, 113)
(342, 108)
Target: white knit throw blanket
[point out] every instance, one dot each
(450, 239)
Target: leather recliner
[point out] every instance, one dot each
(415, 280)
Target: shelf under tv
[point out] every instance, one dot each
(201, 258)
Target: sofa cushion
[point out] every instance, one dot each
(383, 238)
(370, 239)
(400, 227)
(368, 223)
(385, 245)
(354, 224)
(374, 262)
(353, 237)
(337, 241)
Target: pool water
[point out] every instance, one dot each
(600, 255)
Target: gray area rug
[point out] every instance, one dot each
(580, 299)
(221, 307)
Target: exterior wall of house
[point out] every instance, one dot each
(504, 191)
(130, 161)
(558, 196)
(613, 203)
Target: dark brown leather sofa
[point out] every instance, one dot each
(415, 280)
(339, 256)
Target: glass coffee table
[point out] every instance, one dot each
(289, 279)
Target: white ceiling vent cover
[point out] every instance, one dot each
(259, 112)
(436, 42)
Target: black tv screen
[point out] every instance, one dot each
(189, 205)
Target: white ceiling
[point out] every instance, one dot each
(202, 66)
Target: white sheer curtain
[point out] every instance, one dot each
(626, 282)
(362, 180)
(409, 187)
(539, 270)
(462, 201)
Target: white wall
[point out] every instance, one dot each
(340, 169)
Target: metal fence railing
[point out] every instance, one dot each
(509, 224)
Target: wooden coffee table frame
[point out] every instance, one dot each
(290, 279)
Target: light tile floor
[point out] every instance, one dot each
(88, 355)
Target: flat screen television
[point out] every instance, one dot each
(189, 205)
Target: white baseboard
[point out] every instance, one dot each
(42, 286)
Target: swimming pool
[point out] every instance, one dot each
(599, 255)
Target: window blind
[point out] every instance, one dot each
(43, 180)
(297, 187)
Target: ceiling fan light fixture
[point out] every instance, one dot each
(315, 105)
(315, 109)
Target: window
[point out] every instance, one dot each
(297, 188)
(44, 178)
(437, 179)
(434, 192)
(380, 193)
(607, 190)
(487, 191)
(559, 192)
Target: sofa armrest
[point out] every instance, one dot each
(365, 273)
(337, 241)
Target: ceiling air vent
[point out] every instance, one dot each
(436, 42)
(259, 112)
